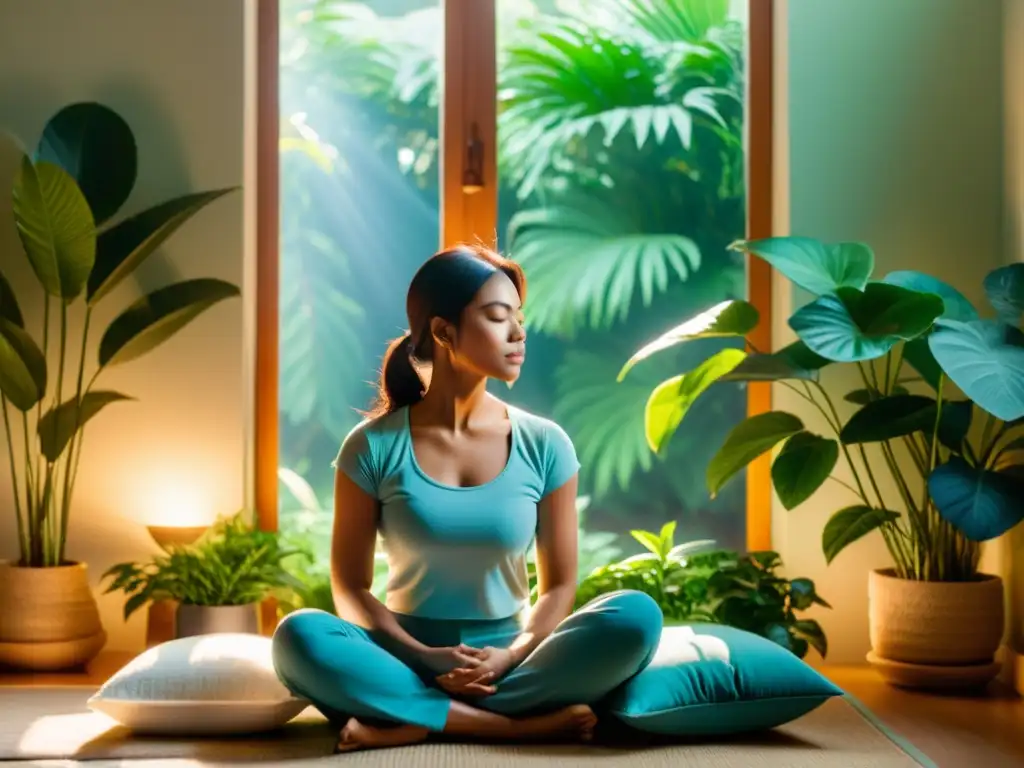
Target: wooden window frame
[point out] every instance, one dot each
(470, 31)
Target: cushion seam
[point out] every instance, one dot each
(824, 695)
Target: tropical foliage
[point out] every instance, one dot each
(233, 563)
(954, 486)
(621, 186)
(696, 582)
(66, 195)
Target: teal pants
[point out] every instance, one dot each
(347, 671)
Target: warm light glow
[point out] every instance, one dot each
(179, 505)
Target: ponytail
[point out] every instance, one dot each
(400, 385)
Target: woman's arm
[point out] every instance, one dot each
(353, 542)
(557, 533)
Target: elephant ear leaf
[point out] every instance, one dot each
(818, 267)
(121, 249)
(985, 359)
(156, 317)
(980, 503)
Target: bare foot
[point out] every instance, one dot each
(356, 735)
(575, 723)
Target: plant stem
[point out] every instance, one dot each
(837, 428)
(846, 485)
(987, 441)
(22, 531)
(76, 437)
(54, 468)
(42, 396)
(34, 514)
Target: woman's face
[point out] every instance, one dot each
(490, 339)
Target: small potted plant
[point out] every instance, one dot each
(939, 409)
(217, 583)
(697, 582)
(74, 253)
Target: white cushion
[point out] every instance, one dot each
(217, 683)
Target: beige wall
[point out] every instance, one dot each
(890, 131)
(175, 71)
(1012, 551)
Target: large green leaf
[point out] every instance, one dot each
(733, 317)
(123, 247)
(818, 267)
(22, 367)
(980, 503)
(850, 524)
(588, 262)
(794, 361)
(9, 309)
(96, 147)
(985, 358)
(671, 399)
(748, 440)
(804, 463)
(887, 418)
(1004, 288)
(57, 427)
(852, 325)
(55, 226)
(156, 317)
(956, 306)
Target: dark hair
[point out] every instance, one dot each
(442, 287)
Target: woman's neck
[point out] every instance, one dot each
(454, 398)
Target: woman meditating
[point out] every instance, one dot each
(459, 484)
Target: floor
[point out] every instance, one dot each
(953, 730)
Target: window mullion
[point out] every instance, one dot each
(468, 114)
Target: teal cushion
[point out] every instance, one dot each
(708, 679)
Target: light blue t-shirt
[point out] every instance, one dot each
(457, 553)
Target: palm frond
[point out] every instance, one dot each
(574, 82)
(587, 261)
(320, 336)
(604, 418)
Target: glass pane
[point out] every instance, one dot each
(622, 183)
(359, 213)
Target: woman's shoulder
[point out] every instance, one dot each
(547, 447)
(373, 433)
(533, 426)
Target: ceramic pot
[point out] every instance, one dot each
(935, 634)
(49, 620)
(193, 620)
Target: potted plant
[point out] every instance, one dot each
(65, 198)
(217, 583)
(939, 410)
(696, 582)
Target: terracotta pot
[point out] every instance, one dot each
(210, 619)
(49, 620)
(935, 634)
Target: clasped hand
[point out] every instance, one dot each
(468, 671)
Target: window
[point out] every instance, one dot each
(613, 147)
